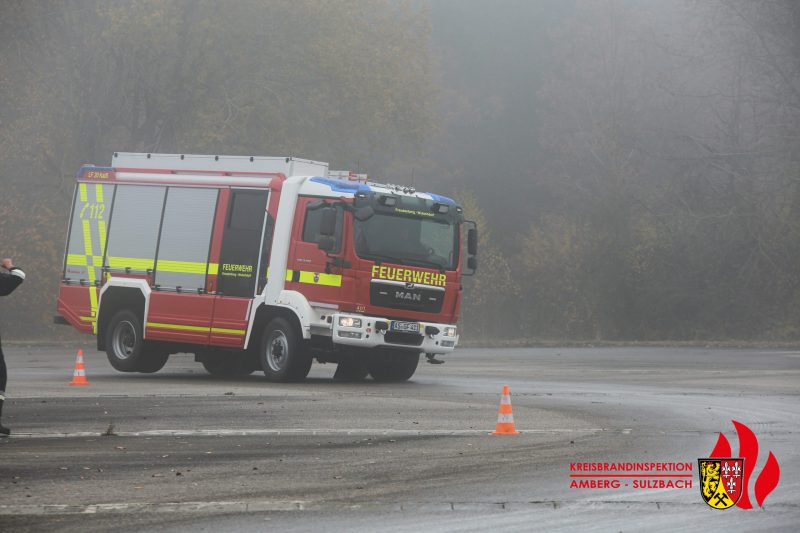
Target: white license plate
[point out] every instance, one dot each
(412, 327)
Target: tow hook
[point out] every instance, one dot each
(432, 359)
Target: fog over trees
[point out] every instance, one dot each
(634, 166)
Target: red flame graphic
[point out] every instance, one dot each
(768, 479)
(748, 449)
(723, 447)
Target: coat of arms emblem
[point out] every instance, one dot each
(721, 481)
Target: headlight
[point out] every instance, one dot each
(450, 332)
(349, 322)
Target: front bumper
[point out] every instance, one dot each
(370, 333)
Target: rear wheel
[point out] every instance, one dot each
(388, 364)
(154, 360)
(284, 356)
(126, 349)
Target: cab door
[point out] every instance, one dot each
(242, 268)
(311, 270)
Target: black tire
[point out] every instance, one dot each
(283, 355)
(351, 367)
(125, 341)
(388, 364)
(153, 360)
(227, 364)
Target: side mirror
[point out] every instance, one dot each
(364, 213)
(327, 225)
(327, 244)
(472, 241)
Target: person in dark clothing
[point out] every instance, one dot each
(10, 279)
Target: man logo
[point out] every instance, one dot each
(408, 296)
(410, 286)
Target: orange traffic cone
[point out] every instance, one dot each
(505, 418)
(79, 376)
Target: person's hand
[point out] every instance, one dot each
(7, 263)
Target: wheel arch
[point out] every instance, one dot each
(264, 314)
(120, 296)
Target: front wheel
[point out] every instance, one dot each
(388, 364)
(352, 367)
(283, 353)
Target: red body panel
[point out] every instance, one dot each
(74, 306)
(179, 317)
(230, 321)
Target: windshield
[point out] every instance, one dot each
(408, 241)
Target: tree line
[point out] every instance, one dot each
(663, 185)
(633, 167)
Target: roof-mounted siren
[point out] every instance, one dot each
(347, 175)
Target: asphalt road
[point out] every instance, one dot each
(182, 451)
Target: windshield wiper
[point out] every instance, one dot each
(410, 262)
(432, 264)
(381, 257)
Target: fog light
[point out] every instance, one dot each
(350, 334)
(450, 332)
(349, 322)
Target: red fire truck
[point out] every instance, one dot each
(262, 263)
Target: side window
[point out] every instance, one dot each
(88, 231)
(247, 211)
(241, 243)
(311, 227)
(185, 238)
(133, 235)
(266, 248)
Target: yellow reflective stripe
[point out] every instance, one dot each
(204, 329)
(178, 327)
(98, 192)
(76, 260)
(87, 238)
(315, 278)
(129, 262)
(228, 331)
(82, 192)
(184, 267)
(318, 278)
(87, 247)
(82, 260)
(87, 318)
(101, 228)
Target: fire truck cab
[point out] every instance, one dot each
(262, 263)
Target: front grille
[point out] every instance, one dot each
(402, 296)
(400, 337)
